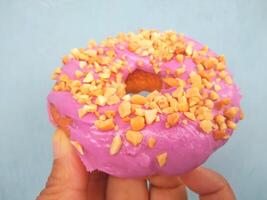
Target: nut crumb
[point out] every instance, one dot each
(105, 125)
(134, 137)
(137, 123)
(206, 125)
(150, 116)
(138, 99)
(162, 159)
(151, 142)
(172, 120)
(231, 112)
(124, 109)
(86, 109)
(115, 145)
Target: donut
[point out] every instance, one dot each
(146, 103)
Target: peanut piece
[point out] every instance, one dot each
(124, 109)
(134, 137)
(137, 123)
(105, 125)
(138, 99)
(151, 142)
(115, 145)
(162, 159)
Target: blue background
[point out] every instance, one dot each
(35, 34)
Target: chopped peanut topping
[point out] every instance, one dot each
(223, 127)
(162, 159)
(214, 96)
(57, 70)
(207, 84)
(220, 66)
(78, 74)
(151, 142)
(190, 115)
(154, 105)
(126, 119)
(206, 125)
(231, 124)
(222, 102)
(203, 112)
(220, 135)
(209, 63)
(209, 103)
(178, 93)
(200, 68)
(180, 58)
(109, 91)
(195, 79)
(138, 99)
(180, 71)
(115, 145)
(140, 112)
(182, 104)
(101, 100)
(126, 97)
(100, 81)
(110, 113)
(124, 109)
(219, 119)
(184, 121)
(172, 120)
(86, 109)
(173, 104)
(168, 110)
(82, 64)
(114, 99)
(217, 87)
(150, 116)
(223, 74)
(105, 125)
(102, 117)
(88, 78)
(172, 82)
(65, 60)
(230, 113)
(150, 97)
(134, 137)
(162, 102)
(77, 146)
(134, 107)
(189, 49)
(137, 123)
(193, 92)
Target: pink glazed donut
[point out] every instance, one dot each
(191, 107)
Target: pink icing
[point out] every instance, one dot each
(187, 146)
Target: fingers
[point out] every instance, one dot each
(167, 188)
(97, 186)
(208, 184)
(126, 189)
(68, 179)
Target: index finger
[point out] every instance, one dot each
(208, 184)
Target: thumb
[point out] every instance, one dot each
(68, 178)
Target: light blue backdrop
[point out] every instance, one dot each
(35, 34)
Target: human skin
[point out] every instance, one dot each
(69, 180)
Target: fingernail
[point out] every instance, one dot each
(60, 144)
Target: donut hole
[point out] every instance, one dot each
(141, 81)
(137, 82)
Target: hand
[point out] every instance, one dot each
(70, 181)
